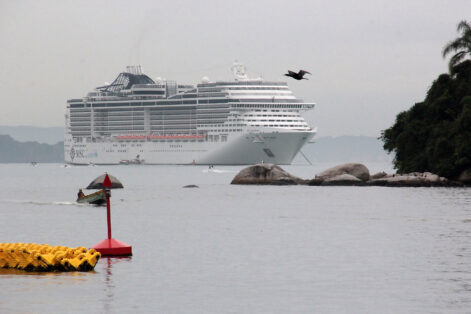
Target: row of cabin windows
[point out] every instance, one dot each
(275, 102)
(212, 89)
(266, 106)
(269, 95)
(225, 130)
(258, 88)
(261, 120)
(270, 115)
(201, 100)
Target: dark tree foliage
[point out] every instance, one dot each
(435, 135)
(461, 46)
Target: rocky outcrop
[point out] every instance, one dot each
(358, 174)
(414, 179)
(356, 170)
(342, 175)
(268, 174)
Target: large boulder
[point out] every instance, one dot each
(354, 169)
(266, 174)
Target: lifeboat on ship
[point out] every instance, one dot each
(135, 161)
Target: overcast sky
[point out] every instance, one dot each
(369, 59)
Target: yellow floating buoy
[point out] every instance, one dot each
(42, 257)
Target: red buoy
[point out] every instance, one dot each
(113, 247)
(110, 246)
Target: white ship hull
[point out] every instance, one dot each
(278, 147)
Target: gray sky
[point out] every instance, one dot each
(369, 59)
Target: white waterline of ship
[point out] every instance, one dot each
(138, 120)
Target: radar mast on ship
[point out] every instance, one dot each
(240, 75)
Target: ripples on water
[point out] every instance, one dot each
(239, 249)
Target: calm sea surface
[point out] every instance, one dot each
(239, 249)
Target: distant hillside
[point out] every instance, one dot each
(19, 152)
(346, 149)
(325, 149)
(48, 135)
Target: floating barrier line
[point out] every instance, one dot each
(43, 257)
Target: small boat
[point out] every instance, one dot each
(97, 198)
(135, 161)
(131, 162)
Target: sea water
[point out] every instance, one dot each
(223, 248)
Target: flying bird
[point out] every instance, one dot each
(297, 76)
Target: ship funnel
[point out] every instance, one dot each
(134, 69)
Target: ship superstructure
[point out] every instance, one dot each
(244, 121)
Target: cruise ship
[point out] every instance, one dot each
(136, 119)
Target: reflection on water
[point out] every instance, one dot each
(16, 272)
(108, 263)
